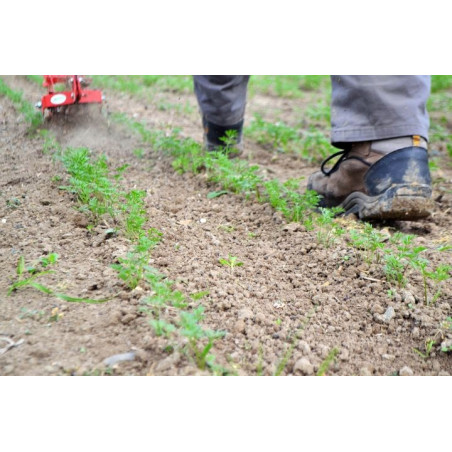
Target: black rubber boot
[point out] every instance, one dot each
(214, 136)
(397, 187)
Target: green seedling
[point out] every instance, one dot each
(13, 203)
(288, 86)
(200, 341)
(230, 142)
(285, 198)
(328, 230)
(162, 328)
(138, 153)
(133, 268)
(370, 241)
(97, 194)
(394, 269)
(227, 228)
(429, 343)
(199, 295)
(216, 194)
(278, 136)
(315, 145)
(324, 366)
(136, 217)
(231, 262)
(441, 273)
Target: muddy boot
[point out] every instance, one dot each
(378, 180)
(226, 139)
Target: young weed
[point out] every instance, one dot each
(232, 262)
(429, 343)
(27, 275)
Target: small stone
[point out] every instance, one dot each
(115, 359)
(406, 372)
(388, 357)
(389, 314)
(202, 220)
(304, 366)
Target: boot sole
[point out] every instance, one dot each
(400, 202)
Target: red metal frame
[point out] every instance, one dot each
(77, 94)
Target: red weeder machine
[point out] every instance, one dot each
(76, 92)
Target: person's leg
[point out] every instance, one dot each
(222, 101)
(378, 119)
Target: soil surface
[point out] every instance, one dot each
(288, 286)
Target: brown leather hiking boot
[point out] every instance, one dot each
(377, 184)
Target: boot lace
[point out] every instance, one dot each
(343, 156)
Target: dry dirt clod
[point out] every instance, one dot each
(245, 314)
(304, 366)
(406, 372)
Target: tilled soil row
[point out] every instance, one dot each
(292, 298)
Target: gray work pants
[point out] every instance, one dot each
(363, 107)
